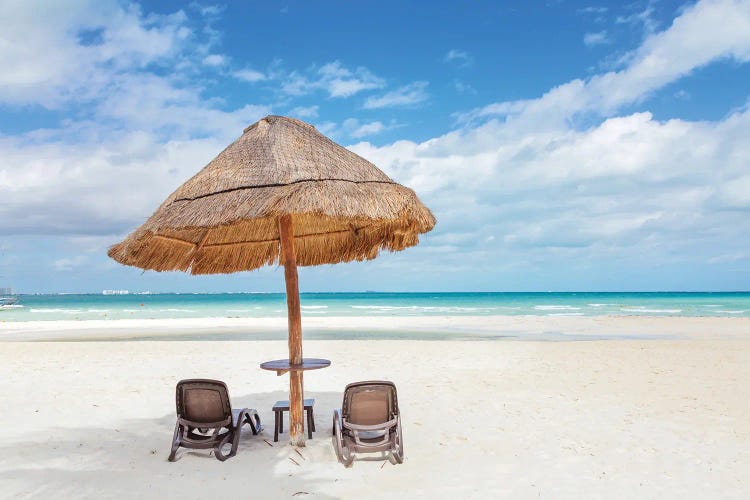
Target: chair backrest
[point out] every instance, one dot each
(203, 401)
(370, 403)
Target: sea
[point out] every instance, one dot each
(262, 305)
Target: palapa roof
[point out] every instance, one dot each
(224, 219)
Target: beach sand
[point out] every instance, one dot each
(633, 418)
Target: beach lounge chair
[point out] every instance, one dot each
(205, 418)
(369, 421)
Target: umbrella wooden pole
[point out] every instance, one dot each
(296, 391)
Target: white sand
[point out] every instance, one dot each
(482, 419)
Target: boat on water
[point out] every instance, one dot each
(7, 298)
(6, 302)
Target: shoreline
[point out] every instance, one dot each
(392, 327)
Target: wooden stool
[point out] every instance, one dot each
(281, 406)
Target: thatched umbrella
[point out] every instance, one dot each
(281, 193)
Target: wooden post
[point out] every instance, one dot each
(296, 390)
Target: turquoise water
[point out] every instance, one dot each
(95, 306)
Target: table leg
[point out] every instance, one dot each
(309, 425)
(281, 422)
(312, 419)
(276, 421)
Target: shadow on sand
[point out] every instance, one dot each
(130, 460)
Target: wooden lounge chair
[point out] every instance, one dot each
(369, 421)
(205, 418)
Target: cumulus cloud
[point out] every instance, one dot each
(358, 130)
(68, 264)
(305, 111)
(53, 53)
(593, 9)
(333, 78)
(214, 60)
(706, 32)
(519, 189)
(627, 187)
(353, 128)
(459, 57)
(593, 39)
(129, 123)
(524, 184)
(249, 75)
(408, 95)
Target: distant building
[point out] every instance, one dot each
(115, 292)
(6, 291)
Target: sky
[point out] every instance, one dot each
(562, 145)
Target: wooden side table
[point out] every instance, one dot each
(281, 406)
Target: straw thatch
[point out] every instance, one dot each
(224, 219)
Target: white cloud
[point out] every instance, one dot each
(358, 130)
(93, 188)
(341, 82)
(594, 39)
(517, 192)
(594, 9)
(354, 128)
(214, 60)
(333, 78)
(65, 180)
(411, 94)
(630, 190)
(644, 18)
(464, 88)
(68, 264)
(629, 187)
(249, 75)
(54, 53)
(708, 31)
(460, 57)
(304, 112)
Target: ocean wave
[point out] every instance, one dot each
(564, 314)
(56, 310)
(314, 307)
(601, 305)
(177, 310)
(424, 308)
(556, 308)
(97, 310)
(12, 306)
(733, 312)
(644, 310)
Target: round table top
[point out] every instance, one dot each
(285, 366)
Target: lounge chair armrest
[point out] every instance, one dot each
(203, 425)
(377, 427)
(385, 427)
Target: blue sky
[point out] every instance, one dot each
(561, 145)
